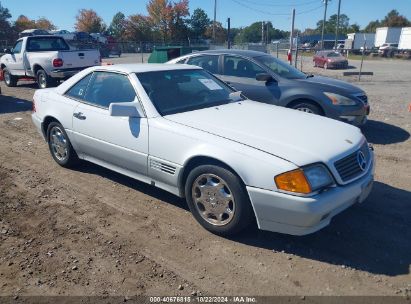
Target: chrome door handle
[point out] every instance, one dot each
(79, 115)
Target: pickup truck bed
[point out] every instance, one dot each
(46, 59)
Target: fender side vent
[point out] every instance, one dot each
(156, 165)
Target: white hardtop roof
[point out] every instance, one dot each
(143, 67)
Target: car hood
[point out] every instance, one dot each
(298, 137)
(332, 83)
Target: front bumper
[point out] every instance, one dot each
(338, 65)
(280, 212)
(354, 115)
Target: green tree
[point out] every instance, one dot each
(353, 28)
(372, 26)
(137, 28)
(220, 33)
(198, 23)
(4, 13)
(6, 31)
(253, 33)
(118, 25)
(394, 19)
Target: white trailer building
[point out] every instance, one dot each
(355, 41)
(405, 39)
(387, 35)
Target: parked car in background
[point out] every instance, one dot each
(264, 78)
(47, 59)
(98, 37)
(330, 60)
(180, 129)
(33, 32)
(340, 47)
(83, 37)
(388, 49)
(63, 33)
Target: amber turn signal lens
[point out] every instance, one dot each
(293, 181)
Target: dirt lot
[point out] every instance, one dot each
(93, 232)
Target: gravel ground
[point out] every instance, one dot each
(90, 231)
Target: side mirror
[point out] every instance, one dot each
(264, 77)
(7, 51)
(126, 109)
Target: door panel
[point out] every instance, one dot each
(121, 141)
(15, 60)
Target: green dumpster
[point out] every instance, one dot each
(163, 54)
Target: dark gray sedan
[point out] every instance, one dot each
(264, 78)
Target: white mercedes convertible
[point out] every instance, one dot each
(179, 128)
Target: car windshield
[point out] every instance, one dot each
(280, 68)
(334, 54)
(39, 44)
(178, 91)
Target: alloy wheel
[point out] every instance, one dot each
(213, 199)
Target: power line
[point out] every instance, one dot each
(280, 5)
(274, 14)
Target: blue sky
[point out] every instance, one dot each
(242, 12)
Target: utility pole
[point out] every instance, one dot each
(215, 17)
(228, 33)
(337, 27)
(262, 32)
(325, 18)
(290, 51)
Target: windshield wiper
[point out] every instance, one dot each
(309, 76)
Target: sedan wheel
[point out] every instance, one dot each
(58, 143)
(213, 199)
(218, 199)
(308, 107)
(60, 146)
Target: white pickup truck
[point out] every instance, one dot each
(47, 59)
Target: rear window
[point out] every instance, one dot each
(39, 44)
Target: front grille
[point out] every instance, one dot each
(363, 98)
(349, 168)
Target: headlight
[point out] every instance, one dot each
(339, 100)
(318, 177)
(305, 180)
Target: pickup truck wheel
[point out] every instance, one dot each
(218, 200)
(307, 107)
(60, 147)
(43, 80)
(9, 80)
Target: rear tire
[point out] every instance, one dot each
(9, 80)
(43, 80)
(307, 107)
(218, 200)
(60, 146)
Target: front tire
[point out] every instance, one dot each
(60, 146)
(218, 200)
(307, 107)
(9, 80)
